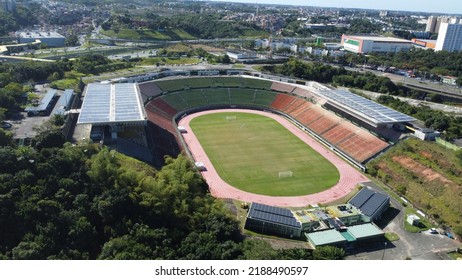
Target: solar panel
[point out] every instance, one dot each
(361, 197)
(273, 214)
(377, 112)
(373, 204)
(109, 103)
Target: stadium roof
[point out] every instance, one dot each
(273, 214)
(112, 104)
(365, 108)
(369, 201)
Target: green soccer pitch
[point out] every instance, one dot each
(256, 154)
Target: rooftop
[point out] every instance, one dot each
(364, 230)
(273, 214)
(368, 201)
(111, 103)
(39, 34)
(342, 210)
(366, 108)
(325, 237)
(379, 38)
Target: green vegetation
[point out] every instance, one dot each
(137, 34)
(62, 201)
(181, 26)
(169, 60)
(428, 175)
(424, 62)
(243, 157)
(392, 237)
(21, 17)
(423, 225)
(455, 255)
(450, 125)
(308, 71)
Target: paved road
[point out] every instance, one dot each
(416, 246)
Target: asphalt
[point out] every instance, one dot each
(415, 246)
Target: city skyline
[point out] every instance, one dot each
(442, 6)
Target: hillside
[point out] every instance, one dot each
(428, 175)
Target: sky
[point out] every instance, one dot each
(430, 6)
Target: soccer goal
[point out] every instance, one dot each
(285, 174)
(231, 118)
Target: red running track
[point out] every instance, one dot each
(349, 176)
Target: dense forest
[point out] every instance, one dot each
(61, 201)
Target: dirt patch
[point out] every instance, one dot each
(426, 154)
(419, 169)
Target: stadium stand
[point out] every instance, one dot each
(354, 142)
(264, 98)
(149, 90)
(301, 110)
(242, 96)
(324, 123)
(294, 105)
(280, 87)
(257, 84)
(282, 101)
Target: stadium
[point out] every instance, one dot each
(254, 139)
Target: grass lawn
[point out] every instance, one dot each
(250, 151)
(423, 226)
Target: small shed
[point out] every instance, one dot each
(413, 220)
(182, 129)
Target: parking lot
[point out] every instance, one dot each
(415, 246)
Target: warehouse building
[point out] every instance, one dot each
(368, 44)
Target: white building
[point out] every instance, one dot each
(51, 39)
(368, 44)
(449, 37)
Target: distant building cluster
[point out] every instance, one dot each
(8, 5)
(434, 22)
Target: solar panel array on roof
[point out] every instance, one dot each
(368, 201)
(273, 214)
(374, 111)
(373, 204)
(361, 197)
(111, 103)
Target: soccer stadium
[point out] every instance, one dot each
(254, 139)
